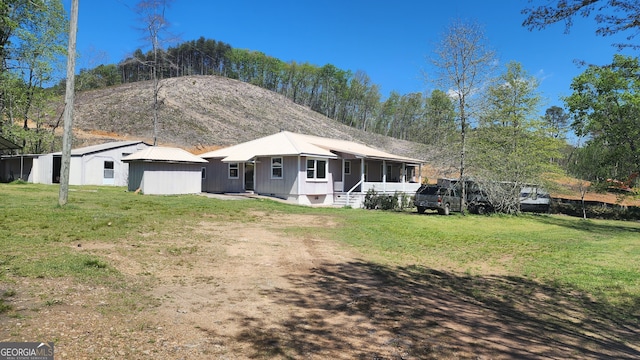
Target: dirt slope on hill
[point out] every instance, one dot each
(198, 112)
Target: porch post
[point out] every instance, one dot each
(343, 175)
(361, 175)
(384, 176)
(404, 176)
(299, 177)
(255, 172)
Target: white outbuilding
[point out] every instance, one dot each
(91, 165)
(165, 171)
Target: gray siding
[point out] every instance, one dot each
(282, 188)
(217, 178)
(136, 174)
(374, 171)
(335, 169)
(350, 180)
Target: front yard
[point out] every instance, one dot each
(120, 275)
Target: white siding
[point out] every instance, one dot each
(165, 178)
(42, 170)
(89, 169)
(316, 186)
(76, 171)
(86, 169)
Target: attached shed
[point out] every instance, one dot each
(165, 171)
(7, 171)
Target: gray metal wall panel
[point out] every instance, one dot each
(218, 181)
(277, 187)
(136, 171)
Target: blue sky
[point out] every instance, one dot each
(389, 40)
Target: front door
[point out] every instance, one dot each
(248, 176)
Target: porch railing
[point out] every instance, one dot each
(351, 190)
(390, 187)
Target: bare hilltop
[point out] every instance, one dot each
(200, 113)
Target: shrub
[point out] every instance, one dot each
(398, 201)
(611, 212)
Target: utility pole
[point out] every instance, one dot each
(69, 97)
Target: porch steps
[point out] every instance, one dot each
(340, 199)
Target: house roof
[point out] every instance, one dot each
(292, 144)
(101, 147)
(8, 145)
(164, 154)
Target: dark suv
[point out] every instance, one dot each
(434, 197)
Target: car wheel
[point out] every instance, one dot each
(480, 209)
(421, 209)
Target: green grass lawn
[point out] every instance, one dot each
(598, 258)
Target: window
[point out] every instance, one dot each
(347, 167)
(234, 170)
(108, 170)
(316, 169)
(276, 168)
(204, 173)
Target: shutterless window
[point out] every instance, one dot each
(233, 170)
(347, 167)
(108, 170)
(204, 173)
(316, 169)
(276, 168)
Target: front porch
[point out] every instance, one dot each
(355, 199)
(385, 176)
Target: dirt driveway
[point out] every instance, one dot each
(253, 291)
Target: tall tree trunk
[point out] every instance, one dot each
(68, 106)
(463, 138)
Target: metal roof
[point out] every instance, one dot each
(8, 145)
(163, 154)
(101, 147)
(291, 144)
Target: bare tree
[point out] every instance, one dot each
(151, 13)
(464, 62)
(612, 16)
(583, 187)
